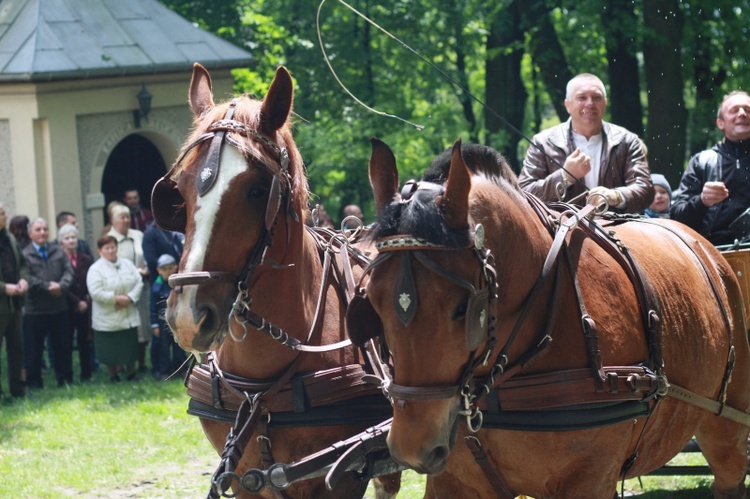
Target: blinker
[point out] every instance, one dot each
(168, 205)
(210, 170)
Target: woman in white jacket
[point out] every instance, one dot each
(115, 286)
(130, 247)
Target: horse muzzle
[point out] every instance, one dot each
(198, 313)
(423, 434)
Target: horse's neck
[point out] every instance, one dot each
(520, 243)
(287, 297)
(522, 258)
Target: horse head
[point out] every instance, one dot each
(237, 185)
(430, 288)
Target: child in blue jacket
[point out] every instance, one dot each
(170, 355)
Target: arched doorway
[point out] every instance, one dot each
(135, 163)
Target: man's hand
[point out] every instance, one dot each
(157, 332)
(577, 165)
(54, 288)
(714, 192)
(82, 307)
(611, 195)
(22, 287)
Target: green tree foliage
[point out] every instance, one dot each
(514, 55)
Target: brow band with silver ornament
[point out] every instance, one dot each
(393, 243)
(241, 128)
(401, 242)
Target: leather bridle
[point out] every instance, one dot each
(480, 321)
(469, 388)
(169, 205)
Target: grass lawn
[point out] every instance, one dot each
(135, 440)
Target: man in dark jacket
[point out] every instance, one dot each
(14, 275)
(157, 242)
(715, 188)
(50, 276)
(597, 156)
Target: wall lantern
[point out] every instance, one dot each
(144, 105)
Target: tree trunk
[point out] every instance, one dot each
(505, 91)
(546, 51)
(457, 21)
(620, 27)
(708, 80)
(667, 120)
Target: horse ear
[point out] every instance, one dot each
(455, 202)
(200, 95)
(278, 102)
(383, 175)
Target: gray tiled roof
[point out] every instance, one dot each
(45, 40)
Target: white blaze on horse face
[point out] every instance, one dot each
(232, 163)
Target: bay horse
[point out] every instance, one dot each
(580, 338)
(263, 293)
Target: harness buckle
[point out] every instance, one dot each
(264, 438)
(662, 385)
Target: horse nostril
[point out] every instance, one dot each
(436, 459)
(208, 319)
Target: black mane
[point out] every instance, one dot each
(420, 216)
(480, 160)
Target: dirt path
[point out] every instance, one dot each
(170, 482)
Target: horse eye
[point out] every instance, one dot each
(460, 312)
(256, 192)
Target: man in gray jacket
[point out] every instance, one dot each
(14, 275)
(597, 156)
(50, 275)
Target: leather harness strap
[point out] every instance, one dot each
(488, 467)
(319, 388)
(647, 297)
(248, 414)
(575, 387)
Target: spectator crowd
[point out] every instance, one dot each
(57, 297)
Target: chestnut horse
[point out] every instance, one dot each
(253, 271)
(473, 315)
